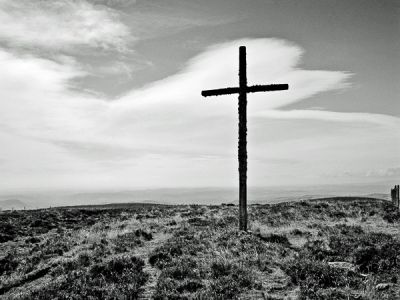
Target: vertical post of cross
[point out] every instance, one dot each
(242, 153)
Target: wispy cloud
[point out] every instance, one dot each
(114, 3)
(389, 172)
(37, 99)
(164, 128)
(60, 25)
(386, 173)
(331, 116)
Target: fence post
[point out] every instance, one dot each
(398, 196)
(395, 195)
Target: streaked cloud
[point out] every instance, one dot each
(166, 132)
(332, 116)
(114, 3)
(386, 173)
(61, 25)
(389, 172)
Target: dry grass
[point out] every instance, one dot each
(319, 249)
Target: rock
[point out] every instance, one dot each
(342, 265)
(383, 286)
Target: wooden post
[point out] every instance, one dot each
(398, 196)
(395, 195)
(242, 153)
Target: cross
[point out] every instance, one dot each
(243, 90)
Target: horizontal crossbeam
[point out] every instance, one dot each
(250, 89)
(219, 92)
(267, 88)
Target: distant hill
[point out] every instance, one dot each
(201, 196)
(12, 204)
(379, 196)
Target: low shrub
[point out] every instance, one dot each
(297, 231)
(317, 249)
(161, 256)
(314, 277)
(197, 221)
(179, 278)
(8, 263)
(391, 215)
(117, 278)
(184, 267)
(371, 252)
(230, 279)
(276, 239)
(142, 233)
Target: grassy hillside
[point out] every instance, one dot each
(338, 248)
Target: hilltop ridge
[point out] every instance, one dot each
(332, 248)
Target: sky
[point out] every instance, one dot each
(105, 94)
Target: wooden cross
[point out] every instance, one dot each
(243, 90)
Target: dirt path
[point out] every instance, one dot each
(143, 252)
